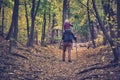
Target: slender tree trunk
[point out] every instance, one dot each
(92, 31)
(111, 30)
(109, 17)
(49, 23)
(118, 24)
(64, 12)
(118, 17)
(113, 46)
(49, 26)
(33, 16)
(36, 37)
(13, 30)
(2, 27)
(68, 8)
(15, 33)
(1, 6)
(43, 30)
(27, 20)
(53, 24)
(31, 36)
(106, 11)
(90, 25)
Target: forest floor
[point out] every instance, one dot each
(44, 63)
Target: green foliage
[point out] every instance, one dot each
(7, 3)
(78, 15)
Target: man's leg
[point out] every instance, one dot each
(64, 50)
(69, 52)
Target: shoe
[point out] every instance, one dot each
(69, 61)
(63, 60)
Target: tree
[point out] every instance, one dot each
(43, 29)
(65, 2)
(108, 14)
(3, 16)
(53, 25)
(118, 18)
(13, 30)
(34, 11)
(27, 20)
(68, 8)
(90, 25)
(109, 38)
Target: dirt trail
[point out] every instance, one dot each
(55, 69)
(44, 63)
(88, 66)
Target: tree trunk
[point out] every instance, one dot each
(15, 33)
(113, 46)
(2, 27)
(43, 30)
(118, 23)
(118, 17)
(31, 36)
(49, 23)
(13, 30)
(27, 20)
(49, 26)
(107, 15)
(64, 13)
(53, 24)
(36, 37)
(92, 31)
(106, 11)
(90, 25)
(68, 8)
(33, 16)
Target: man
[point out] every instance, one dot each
(67, 38)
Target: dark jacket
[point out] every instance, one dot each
(68, 36)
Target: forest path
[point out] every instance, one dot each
(44, 63)
(91, 64)
(53, 68)
(76, 52)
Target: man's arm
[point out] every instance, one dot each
(74, 37)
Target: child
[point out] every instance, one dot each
(67, 25)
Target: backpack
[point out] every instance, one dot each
(67, 37)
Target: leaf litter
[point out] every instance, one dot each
(44, 63)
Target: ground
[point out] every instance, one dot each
(44, 63)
